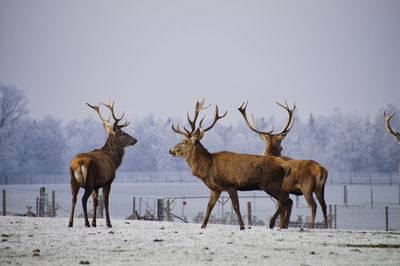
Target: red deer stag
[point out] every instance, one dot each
(396, 134)
(228, 171)
(96, 169)
(306, 177)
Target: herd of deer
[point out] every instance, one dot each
(271, 172)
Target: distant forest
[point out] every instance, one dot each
(340, 142)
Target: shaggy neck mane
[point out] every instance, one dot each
(271, 150)
(199, 160)
(114, 150)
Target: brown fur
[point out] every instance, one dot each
(100, 166)
(307, 176)
(228, 171)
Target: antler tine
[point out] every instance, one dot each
(177, 130)
(290, 121)
(387, 124)
(242, 110)
(199, 106)
(110, 106)
(216, 118)
(97, 109)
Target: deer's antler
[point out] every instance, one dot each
(110, 106)
(192, 122)
(290, 121)
(387, 124)
(242, 110)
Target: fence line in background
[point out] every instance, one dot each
(186, 176)
(191, 209)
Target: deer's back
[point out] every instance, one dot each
(97, 166)
(246, 171)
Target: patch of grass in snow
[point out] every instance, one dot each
(380, 245)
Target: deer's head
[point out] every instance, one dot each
(192, 135)
(114, 130)
(387, 124)
(273, 140)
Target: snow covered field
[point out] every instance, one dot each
(48, 241)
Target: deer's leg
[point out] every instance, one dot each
(283, 198)
(288, 212)
(321, 200)
(311, 202)
(213, 199)
(74, 191)
(235, 203)
(84, 205)
(106, 192)
(95, 193)
(282, 216)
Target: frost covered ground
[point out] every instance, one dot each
(48, 241)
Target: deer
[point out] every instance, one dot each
(307, 176)
(389, 129)
(96, 169)
(229, 171)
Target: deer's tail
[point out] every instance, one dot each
(79, 172)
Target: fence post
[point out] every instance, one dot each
(41, 201)
(334, 213)
(344, 195)
(140, 206)
(133, 205)
(4, 203)
(386, 218)
(330, 216)
(160, 209)
(53, 203)
(100, 207)
(372, 199)
(249, 217)
(168, 211)
(37, 206)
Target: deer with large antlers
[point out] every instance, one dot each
(228, 171)
(96, 169)
(307, 176)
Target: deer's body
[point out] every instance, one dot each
(228, 171)
(96, 169)
(307, 176)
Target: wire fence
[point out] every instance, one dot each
(256, 210)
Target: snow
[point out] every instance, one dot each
(48, 241)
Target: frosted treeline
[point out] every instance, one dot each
(340, 142)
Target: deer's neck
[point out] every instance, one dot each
(114, 150)
(199, 160)
(271, 150)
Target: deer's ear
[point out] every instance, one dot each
(107, 128)
(198, 135)
(263, 137)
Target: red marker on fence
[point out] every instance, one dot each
(184, 202)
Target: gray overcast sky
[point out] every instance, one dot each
(161, 56)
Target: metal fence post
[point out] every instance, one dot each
(386, 218)
(344, 195)
(335, 216)
(53, 204)
(4, 203)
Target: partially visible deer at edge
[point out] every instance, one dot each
(391, 131)
(307, 176)
(96, 169)
(228, 171)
